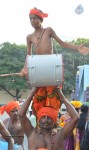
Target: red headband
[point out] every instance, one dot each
(47, 111)
(10, 106)
(39, 13)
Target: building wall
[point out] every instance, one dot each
(5, 97)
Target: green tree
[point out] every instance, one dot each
(12, 58)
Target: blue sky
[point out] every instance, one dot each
(15, 24)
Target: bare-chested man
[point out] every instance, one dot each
(45, 136)
(6, 135)
(13, 122)
(41, 38)
(40, 41)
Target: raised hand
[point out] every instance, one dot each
(83, 50)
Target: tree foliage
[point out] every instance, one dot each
(12, 58)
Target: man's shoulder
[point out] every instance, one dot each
(29, 36)
(6, 120)
(48, 28)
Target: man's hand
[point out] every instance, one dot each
(83, 50)
(34, 89)
(23, 72)
(61, 95)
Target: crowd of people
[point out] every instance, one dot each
(76, 140)
(69, 131)
(46, 102)
(47, 135)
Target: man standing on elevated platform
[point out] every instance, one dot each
(40, 41)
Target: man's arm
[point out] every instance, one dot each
(80, 48)
(22, 113)
(29, 48)
(6, 135)
(24, 71)
(68, 128)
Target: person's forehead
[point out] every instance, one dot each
(46, 117)
(14, 109)
(33, 16)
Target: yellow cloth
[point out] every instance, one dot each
(76, 104)
(62, 121)
(76, 137)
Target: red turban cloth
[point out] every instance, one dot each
(38, 12)
(10, 106)
(47, 111)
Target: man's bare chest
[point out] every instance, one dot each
(48, 142)
(15, 129)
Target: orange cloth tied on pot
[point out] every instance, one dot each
(38, 13)
(46, 96)
(10, 106)
(47, 111)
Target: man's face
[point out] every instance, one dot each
(35, 21)
(46, 123)
(14, 113)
